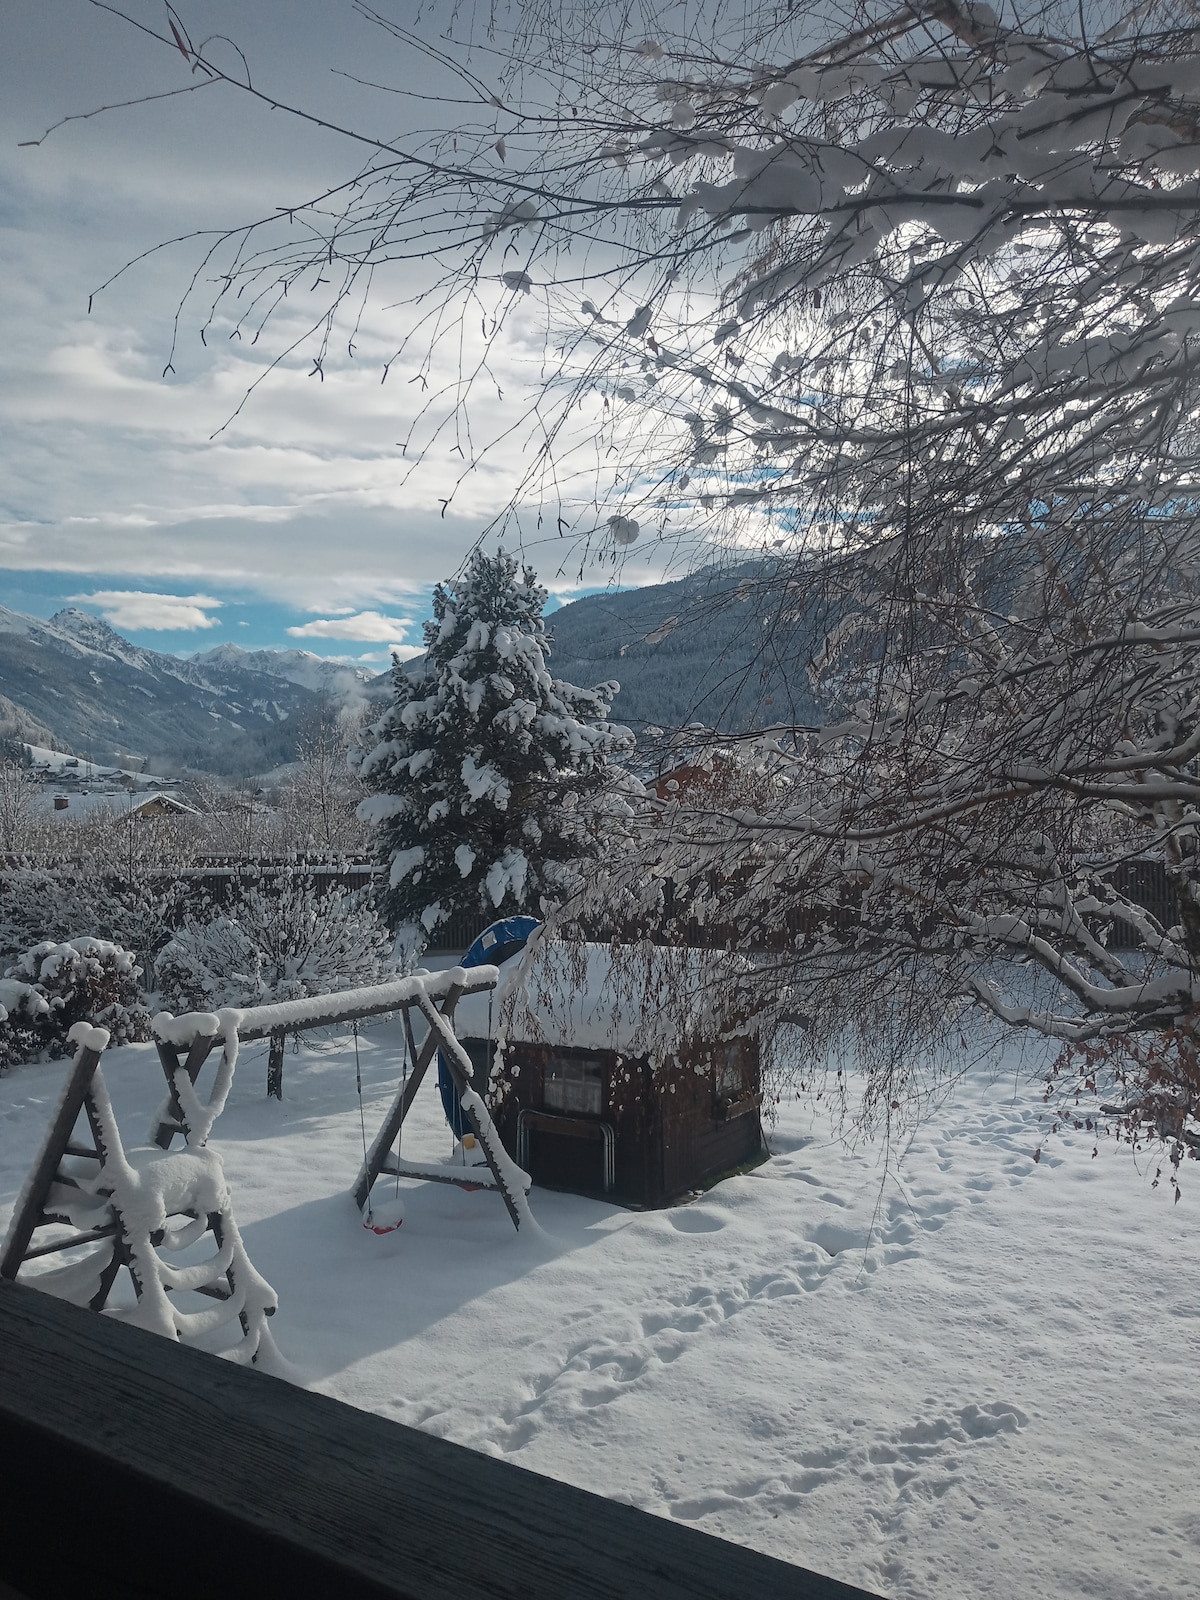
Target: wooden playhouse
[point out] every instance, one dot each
(624, 1073)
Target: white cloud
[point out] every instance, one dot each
(378, 659)
(134, 609)
(111, 466)
(370, 626)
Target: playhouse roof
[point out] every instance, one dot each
(636, 1000)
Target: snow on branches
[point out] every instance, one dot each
(282, 938)
(910, 306)
(489, 775)
(54, 986)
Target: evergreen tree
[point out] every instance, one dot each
(489, 775)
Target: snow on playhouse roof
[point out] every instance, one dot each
(636, 1000)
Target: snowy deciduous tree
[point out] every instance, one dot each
(489, 774)
(281, 939)
(18, 793)
(317, 807)
(915, 296)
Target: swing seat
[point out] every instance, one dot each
(385, 1218)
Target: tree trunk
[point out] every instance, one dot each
(275, 1066)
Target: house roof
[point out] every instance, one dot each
(636, 1000)
(113, 803)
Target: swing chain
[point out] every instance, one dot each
(403, 1101)
(362, 1121)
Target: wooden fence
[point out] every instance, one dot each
(219, 880)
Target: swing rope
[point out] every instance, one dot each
(361, 1117)
(403, 1101)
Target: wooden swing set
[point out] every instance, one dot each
(111, 1209)
(185, 1043)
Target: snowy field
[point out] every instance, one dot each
(976, 1378)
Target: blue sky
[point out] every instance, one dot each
(221, 614)
(218, 614)
(127, 490)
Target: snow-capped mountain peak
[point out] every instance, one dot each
(94, 634)
(297, 666)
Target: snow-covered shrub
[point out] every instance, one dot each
(39, 903)
(21, 1009)
(279, 940)
(78, 980)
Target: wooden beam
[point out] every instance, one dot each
(108, 1231)
(482, 1128)
(461, 1177)
(201, 1048)
(178, 1475)
(275, 1064)
(392, 1123)
(58, 1135)
(336, 1014)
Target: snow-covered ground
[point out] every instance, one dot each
(977, 1376)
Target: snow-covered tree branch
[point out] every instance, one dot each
(905, 303)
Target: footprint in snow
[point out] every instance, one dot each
(922, 1460)
(691, 1219)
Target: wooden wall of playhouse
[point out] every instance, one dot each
(676, 1127)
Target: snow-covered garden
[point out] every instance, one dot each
(972, 1374)
(895, 315)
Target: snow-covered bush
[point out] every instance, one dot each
(39, 903)
(485, 769)
(57, 985)
(21, 1009)
(279, 940)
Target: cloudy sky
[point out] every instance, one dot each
(133, 494)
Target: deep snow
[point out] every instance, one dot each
(975, 1376)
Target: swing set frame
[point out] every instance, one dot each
(433, 995)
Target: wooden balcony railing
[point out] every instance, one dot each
(132, 1466)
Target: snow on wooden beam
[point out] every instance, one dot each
(322, 1010)
(178, 1474)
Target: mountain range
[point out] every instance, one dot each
(297, 666)
(704, 648)
(91, 691)
(695, 650)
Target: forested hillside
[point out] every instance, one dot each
(697, 650)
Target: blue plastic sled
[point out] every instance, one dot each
(494, 945)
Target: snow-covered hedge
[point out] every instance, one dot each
(21, 1008)
(55, 985)
(282, 942)
(39, 902)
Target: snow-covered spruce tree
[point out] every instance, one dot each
(489, 775)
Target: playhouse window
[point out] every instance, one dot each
(728, 1070)
(574, 1083)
